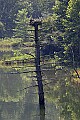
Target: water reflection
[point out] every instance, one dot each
(62, 96)
(66, 95)
(16, 102)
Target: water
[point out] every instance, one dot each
(19, 94)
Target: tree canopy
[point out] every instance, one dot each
(61, 22)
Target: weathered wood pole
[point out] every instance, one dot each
(35, 23)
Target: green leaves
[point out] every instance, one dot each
(22, 23)
(8, 9)
(72, 27)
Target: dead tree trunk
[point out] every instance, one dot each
(35, 23)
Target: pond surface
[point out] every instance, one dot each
(19, 94)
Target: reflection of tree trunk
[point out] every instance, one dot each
(42, 113)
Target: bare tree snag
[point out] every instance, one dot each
(35, 23)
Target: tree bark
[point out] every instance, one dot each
(38, 69)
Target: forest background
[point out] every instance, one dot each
(61, 25)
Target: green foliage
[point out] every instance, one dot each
(41, 8)
(10, 41)
(22, 23)
(67, 23)
(60, 24)
(72, 28)
(8, 9)
(63, 93)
